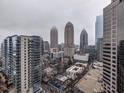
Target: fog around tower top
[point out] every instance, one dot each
(37, 17)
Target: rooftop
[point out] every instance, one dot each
(60, 83)
(82, 57)
(75, 69)
(48, 69)
(89, 81)
(62, 78)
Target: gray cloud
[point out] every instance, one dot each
(36, 17)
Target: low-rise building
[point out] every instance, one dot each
(61, 84)
(82, 58)
(56, 55)
(91, 82)
(48, 74)
(74, 71)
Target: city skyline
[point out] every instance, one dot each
(59, 46)
(38, 17)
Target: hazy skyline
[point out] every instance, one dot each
(36, 17)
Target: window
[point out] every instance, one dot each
(113, 52)
(113, 61)
(113, 83)
(113, 74)
(114, 48)
(114, 57)
(113, 91)
(113, 66)
(113, 78)
(113, 70)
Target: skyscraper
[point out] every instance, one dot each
(99, 36)
(22, 62)
(110, 55)
(69, 40)
(54, 39)
(99, 49)
(120, 41)
(42, 46)
(83, 41)
(46, 47)
(99, 28)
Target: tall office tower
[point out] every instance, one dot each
(69, 40)
(54, 39)
(110, 47)
(46, 47)
(42, 46)
(98, 28)
(99, 49)
(120, 28)
(83, 41)
(2, 51)
(22, 62)
(99, 36)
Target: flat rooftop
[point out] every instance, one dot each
(62, 78)
(76, 68)
(49, 69)
(89, 82)
(82, 57)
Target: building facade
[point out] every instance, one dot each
(46, 47)
(54, 39)
(83, 41)
(98, 27)
(120, 65)
(69, 40)
(99, 49)
(99, 36)
(42, 46)
(110, 49)
(91, 49)
(22, 62)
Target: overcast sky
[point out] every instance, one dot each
(36, 17)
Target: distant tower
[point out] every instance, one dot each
(98, 28)
(54, 39)
(83, 41)
(69, 40)
(99, 36)
(42, 46)
(46, 47)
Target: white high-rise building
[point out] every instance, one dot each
(110, 48)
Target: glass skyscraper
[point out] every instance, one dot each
(99, 27)
(99, 36)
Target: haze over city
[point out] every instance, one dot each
(36, 17)
(61, 46)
